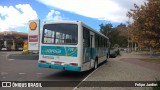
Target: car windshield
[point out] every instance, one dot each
(60, 34)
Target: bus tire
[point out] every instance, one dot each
(96, 64)
(106, 59)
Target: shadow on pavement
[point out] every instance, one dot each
(68, 76)
(23, 57)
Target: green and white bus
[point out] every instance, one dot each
(71, 45)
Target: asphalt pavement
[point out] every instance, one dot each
(17, 67)
(23, 56)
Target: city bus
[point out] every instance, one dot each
(72, 45)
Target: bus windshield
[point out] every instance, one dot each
(60, 34)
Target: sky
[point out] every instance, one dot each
(15, 14)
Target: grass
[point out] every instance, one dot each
(152, 60)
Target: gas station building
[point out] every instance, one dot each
(12, 40)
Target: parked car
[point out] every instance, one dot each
(113, 54)
(4, 49)
(117, 51)
(20, 49)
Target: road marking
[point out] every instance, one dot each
(3, 55)
(7, 55)
(20, 79)
(11, 59)
(39, 73)
(4, 73)
(3, 77)
(21, 73)
(75, 88)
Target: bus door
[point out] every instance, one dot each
(92, 49)
(88, 44)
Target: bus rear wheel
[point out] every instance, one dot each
(96, 64)
(106, 59)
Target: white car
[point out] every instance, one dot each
(4, 49)
(20, 48)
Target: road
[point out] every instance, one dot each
(27, 70)
(126, 67)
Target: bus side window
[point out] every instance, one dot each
(86, 37)
(96, 40)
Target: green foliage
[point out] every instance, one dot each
(115, 34)
(25, 52)
(145, 29)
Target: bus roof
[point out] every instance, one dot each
(61, 21)
(75, 22)
(94, 30)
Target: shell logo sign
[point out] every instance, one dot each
(33, 35)
(33, 26)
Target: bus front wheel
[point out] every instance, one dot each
(96, 64)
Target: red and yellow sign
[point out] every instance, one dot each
(33, 35)
(25, 46)
(33, 38)
(33, 26)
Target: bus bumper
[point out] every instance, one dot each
(62, 67)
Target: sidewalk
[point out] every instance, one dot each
(143, 55)
(117, 70)
(137, 61)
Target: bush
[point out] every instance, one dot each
(26, 52)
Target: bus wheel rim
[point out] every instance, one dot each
(95, 64)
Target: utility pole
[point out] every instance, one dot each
(129, 15)
(128, 41)
(128, 34)
(135, 46)
(132, 45)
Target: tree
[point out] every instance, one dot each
(106, 29)
(114, 34)
(145, 29)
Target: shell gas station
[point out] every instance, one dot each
(11, 40)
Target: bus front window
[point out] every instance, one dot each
(60, 34)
